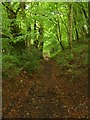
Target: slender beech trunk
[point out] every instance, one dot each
(70, 21)
(58, 29)
(89, 20)
(36, 41)
(76, 30)
(83, 12)
(29, 38)
(58, 34)
(41, 30)
(75, 23)
(35, 34)
(89, 40)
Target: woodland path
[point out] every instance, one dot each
(44, 95)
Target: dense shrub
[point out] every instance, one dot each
(72, 63)
(10, 67)
(30, 60)
(13, 64)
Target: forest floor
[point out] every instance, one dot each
(44, 95)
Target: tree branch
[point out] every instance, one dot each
(84, 12)
(8, 8)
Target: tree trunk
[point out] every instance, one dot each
(41, 30)
(89, 40)
(88, 20)
(59, 34)
(28, 42)
(70, 21)
(77, 36)
(36, 41)
(59, 40)
(58, 29)
(35, 35)
(75, 23)
(12, 16)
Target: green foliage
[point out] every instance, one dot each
(31, 64)
(22, 30)
(64, 57)
(72, 64)
(10, 59)
(62, 61)
(30, 60)
(69, 57)
(5, 21)
(10, 66)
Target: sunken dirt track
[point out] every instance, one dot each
(44, 95)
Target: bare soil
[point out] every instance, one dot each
(44, 95)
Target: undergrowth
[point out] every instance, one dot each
(73, 64)
(12, 65)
